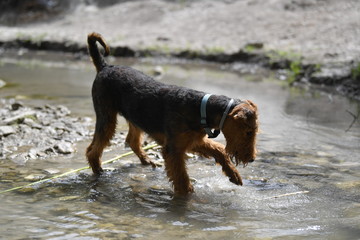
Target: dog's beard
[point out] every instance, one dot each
(236, 158)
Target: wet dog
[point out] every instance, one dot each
(179, 119)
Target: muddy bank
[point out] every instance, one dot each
(341, 78)
(309, 41)
(37, 132)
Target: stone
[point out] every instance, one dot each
(158, 71)
(19, 118)
(16, 105)
(64, 148)
(2, 83)
(6, 130)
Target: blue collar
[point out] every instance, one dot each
(203, 121)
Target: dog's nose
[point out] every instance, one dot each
(251, 160)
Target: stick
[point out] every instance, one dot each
(353, 121)
(76, 170)
(285, 195)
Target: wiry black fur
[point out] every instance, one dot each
(134, 95)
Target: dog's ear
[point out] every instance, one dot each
(243, 111)
(252, 104)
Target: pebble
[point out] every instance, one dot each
(68, 198)
(158, 71)
(34, 177)
(51, 171)
(6, 130)
(64, 148)
(50, 128)
(157, 188)
(2, 83)
(19, 117)
(138, 177)
(16, 106)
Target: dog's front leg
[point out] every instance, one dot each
(216, 150)
(174, 156)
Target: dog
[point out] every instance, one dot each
(179, 119)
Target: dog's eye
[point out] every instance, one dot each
(249, 134)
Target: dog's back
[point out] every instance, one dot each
(136, 94)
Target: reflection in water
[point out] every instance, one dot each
(303, 148)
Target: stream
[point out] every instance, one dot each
(304, 184)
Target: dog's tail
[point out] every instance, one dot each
(94, 52)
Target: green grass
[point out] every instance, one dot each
(277, 55)
(355, 72)
(33, 38)
(294, 72)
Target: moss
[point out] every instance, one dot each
(355, 72)
(214, 50)
(278, 56)
(294, 72)
(252, 47)
(33, 38)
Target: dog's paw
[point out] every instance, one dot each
(184, 190)
(147, 162)
(97, 172)
(190, 189)
(236, 179)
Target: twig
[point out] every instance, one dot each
(75, 170)
(285, 195)
(353, 121)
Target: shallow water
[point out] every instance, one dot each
(304, 151)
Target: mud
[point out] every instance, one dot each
(305, 38)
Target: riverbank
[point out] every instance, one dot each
(38, 132)
(310, 42)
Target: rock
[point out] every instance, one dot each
(6, 130)
(64, 148)
(16, 105)
(158, 71)
(69, 198)
(49, 128)
(33, 153)
(62, 111)
(2, 83)
(138, 177)
(330, 75)
(52, 171)
(34, 177)
(19, 118)
(31, 123)
(19, 159)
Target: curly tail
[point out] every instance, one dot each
(94, 52)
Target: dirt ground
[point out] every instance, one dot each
(324, 33)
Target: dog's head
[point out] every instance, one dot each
(240, 129)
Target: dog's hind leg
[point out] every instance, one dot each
(209, 148)
(104, 131)
(134, 140)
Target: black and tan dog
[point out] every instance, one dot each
(177, 118)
